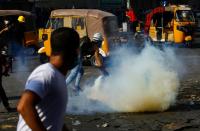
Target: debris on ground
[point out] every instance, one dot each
(105, 125)
(76, 123)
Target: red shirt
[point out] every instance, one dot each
(131, 15)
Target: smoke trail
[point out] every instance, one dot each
(147, 81)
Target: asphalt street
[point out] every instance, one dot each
(183, 116)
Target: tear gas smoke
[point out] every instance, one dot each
(139, 82)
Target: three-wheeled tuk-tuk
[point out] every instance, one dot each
(31, 37)
(170, 24)
(86, 22)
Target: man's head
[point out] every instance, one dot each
(97, 38)
(65, 42)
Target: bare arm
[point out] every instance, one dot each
(97, 56)
(99, 62)
(26, 107)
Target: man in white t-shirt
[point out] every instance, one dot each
(43, 103)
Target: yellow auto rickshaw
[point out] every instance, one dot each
(86, 22)
(31, 37)
(170, 24)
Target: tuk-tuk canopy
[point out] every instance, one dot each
(95, 20)
(14, 12)
(81, 12)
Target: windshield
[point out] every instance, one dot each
(184, 16)
(54, 23)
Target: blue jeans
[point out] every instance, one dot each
(103, 71)
(75, 74)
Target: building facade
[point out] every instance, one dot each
(117, 7)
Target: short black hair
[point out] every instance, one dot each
(64, 40)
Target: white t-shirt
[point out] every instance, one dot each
(48, 83)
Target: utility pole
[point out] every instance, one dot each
(128, 5)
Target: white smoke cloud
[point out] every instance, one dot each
(138, 82)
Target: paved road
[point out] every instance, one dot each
(184, 116)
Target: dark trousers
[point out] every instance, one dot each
(134, 25)
(3, 96)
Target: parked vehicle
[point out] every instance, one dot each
(85, 21)
(31, 37)
(170, 24)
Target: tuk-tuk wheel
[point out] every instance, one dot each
(188, 44)
(43, 58)
(93, 61)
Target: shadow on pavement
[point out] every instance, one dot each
(185, 107)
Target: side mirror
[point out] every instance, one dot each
(44, 37)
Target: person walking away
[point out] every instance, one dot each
(97, 43)
(43, 103)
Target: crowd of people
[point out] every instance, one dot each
(46, 88)
(43, 103)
